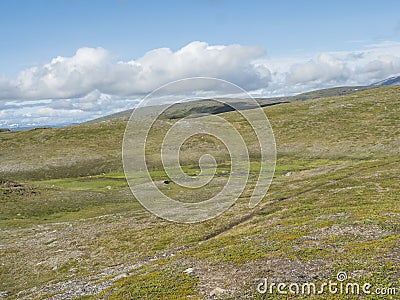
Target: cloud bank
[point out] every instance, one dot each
(92, 69)
(91, 83)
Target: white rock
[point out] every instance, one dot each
(4, 294)
(123, 275)
(217, 292)
(188, 271)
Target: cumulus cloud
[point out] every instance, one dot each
(7, 90)
(93, 69)
(324, 68)
(160, 66)
(91, 83)
(380, 67)
(65, 77)
(328, 69)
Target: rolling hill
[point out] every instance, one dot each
(71, 229)
(210, 106)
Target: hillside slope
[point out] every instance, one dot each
(70, 228)
(212, 107)
(391, 81)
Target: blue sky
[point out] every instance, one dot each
(284, 47)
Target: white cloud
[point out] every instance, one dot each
(65, 77)
(324, 68)
(7, 90)
(93, 69)
(90, 83)
(379, 68)
(328, 69)
(160, 66)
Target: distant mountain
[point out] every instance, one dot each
(395, 80)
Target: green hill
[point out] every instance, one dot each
(212, 107)
(69, 227)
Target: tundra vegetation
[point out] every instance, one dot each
(70, 227)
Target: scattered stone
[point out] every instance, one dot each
(288, 174)
(358, 274)
(123, 275)
(9, 184)
(217, 292)
(4, 294)
(188, 271)
(9, 187)
(108, 187)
